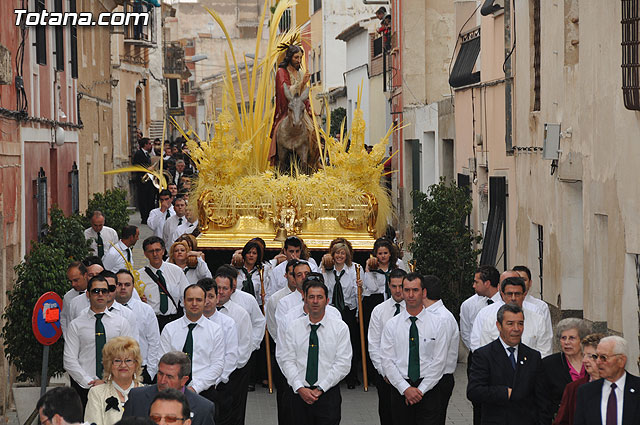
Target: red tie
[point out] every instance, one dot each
(612, 407)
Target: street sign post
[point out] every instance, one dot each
(45, 322)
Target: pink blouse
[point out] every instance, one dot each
(574, 374)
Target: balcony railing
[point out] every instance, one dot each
(136, 30)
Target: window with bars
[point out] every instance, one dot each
(535, 12)
(631, 54)
(41, 36)
(285, 22)
(317, 5)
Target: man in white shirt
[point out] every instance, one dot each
(380, 315)
(148, 331)
(615, 398)
(87, 335)
(434, 304)
(114, 259)
(117, 308)
(536, 333)
(314, 354)
(159, 216)
(220, 394)
(188, 226)
(77, 277)
(531, 302)
(78, 304)
(293, 250)
(300, 272)
(414, 349)
(164, 282)
(101, 236)
(180, 207)
(201, 339)
(239, 380)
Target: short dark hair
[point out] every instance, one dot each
(63, 401)
(135, 420)
(291, 264)
(523, 269)
(314, 280)
(247, 248)
(171, 394)
(397, 273)
(177, 358)
(227, 270)
(165, 192)
(128, 231)
(193, 285)
(292, 241)
(108, 274)
(433, 286)
(381, 9)
(511, 308)
(124, 271)
(414, 276)
(490, 273)
(515, 281)
(91, 260)
(301, 263)
(77, 265)
(179, 198)
(151, 240)
(96, 278)
(208, 284)
(143, 141)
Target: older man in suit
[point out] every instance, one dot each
(614, 399)
(506, 376)
(173, 372)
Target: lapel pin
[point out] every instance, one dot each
(632, 390)
(521, 362)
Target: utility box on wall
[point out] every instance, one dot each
(5, 65)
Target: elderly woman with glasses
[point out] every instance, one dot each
(122, 372)
(566, 366)
(567, 408)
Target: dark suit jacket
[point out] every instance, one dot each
(140, 158)
(567, 409)
(557, 377)
(139, 402)
(492, 374)
(590, 396)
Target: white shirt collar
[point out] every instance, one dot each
(619, 383)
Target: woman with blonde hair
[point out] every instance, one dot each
(193, 266)
(122, 364)
(341, 279)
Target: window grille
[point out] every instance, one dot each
(630, 54)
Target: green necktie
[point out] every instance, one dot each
(100, 244)
(188, 345)
(101, 339)
(164, 300)
(338, 295)
(179, 221)
(414, 351)
(397, 309)
(247, 286)
(312, 356)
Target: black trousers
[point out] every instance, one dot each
(425, 412)
(222, 398)
(163, 320)
(384, 399)
(349, 318)
(82, 392)
(444, 389)
(284, 394)
(368, 304)
(146, 194)
(325, 411)
(237, 386)
(477, 407)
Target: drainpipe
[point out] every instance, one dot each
(508, 137)
(376, 2)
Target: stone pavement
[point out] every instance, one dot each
(360, 408)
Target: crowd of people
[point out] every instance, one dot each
(174, 333)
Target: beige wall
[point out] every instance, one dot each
(591, 225)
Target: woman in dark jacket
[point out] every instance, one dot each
(566, 366)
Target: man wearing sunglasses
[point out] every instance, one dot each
(78, 304)
(170, 407)
(615, 398)
(88, 334)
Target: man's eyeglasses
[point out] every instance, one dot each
(112, 288)
(98, 291)
(603, 357)
(170, 419)
(315, 277)
(154, 251)
(128, 362)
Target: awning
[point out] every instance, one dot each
(462, 73)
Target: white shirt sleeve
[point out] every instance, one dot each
(71, 356)
(374, 336)
(466, 325)
(387, 354)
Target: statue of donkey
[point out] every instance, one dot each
(292, 136)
